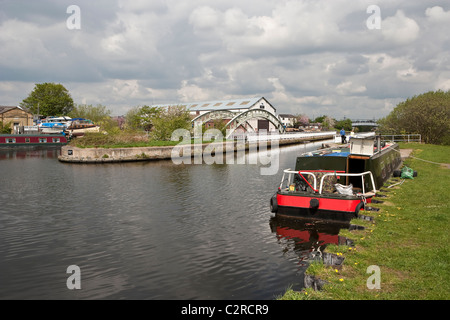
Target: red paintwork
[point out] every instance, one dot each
(34, 139)
(304, 236)
(341, 205)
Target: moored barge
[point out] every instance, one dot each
(336, 183)
(25, 140)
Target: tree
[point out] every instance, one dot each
(95, 114)
(346, 124)
(427, 114)
(49, 99)
(328, 123)
(141, 118)
(169, 120)
(319, 119)
(5, 128)
(301, 120)
(99, 114)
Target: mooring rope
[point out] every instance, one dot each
(395, 184)
(424, 160)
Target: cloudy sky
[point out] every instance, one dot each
(312, 57)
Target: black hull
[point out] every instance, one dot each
(295, 212)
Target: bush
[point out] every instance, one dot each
(168, 121)
(427, 114)
(97, 139)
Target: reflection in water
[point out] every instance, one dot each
(148, 230)
(306, 238)
(51, 152)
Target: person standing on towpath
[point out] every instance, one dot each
(343, 137)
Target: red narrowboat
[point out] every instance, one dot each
(24, 140)
(337, 182)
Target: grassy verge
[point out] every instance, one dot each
(123, 140)
(408, 240)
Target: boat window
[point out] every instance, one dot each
(10, 140)
(27, 140)
(42, 140)
(56, 140)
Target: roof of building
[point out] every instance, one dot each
(4, 109)
(284, 115)
(245, 103)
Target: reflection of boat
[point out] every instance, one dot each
(80, 126)
(336, 183)
(311, 234)
(307, 238)
(25, 140)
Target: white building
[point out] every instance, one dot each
(288, 120)
(236, 106)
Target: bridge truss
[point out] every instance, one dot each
(239, 119)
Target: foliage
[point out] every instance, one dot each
(96, 114)
(319, 119)
(346, 124)
(49, 99)
(427, 114)
(5, 128)
(168, 120)
(301, 120)
(327, 122)
(99, 114)
(220, 125)
(131, 119)
(141, 118)
(126, 139)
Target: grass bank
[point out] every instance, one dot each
(122, 140)
(408, 240)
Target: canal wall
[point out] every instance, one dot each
(72, 154)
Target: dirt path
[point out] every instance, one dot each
(404, 153)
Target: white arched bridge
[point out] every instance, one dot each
(364, 123)
(239, 119)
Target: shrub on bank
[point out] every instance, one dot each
(119, 140)
(98, 139)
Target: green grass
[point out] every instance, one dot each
(408, 240)
(122, 140)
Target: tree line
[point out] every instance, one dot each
(327, 122)
(51, 99)
(427, 114)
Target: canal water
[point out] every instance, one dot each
(148, 230)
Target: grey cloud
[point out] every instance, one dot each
(304, 55)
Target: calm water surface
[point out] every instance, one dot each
(148, 230)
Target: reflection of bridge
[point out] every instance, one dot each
(364, 123)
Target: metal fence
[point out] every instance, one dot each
(402, 137)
